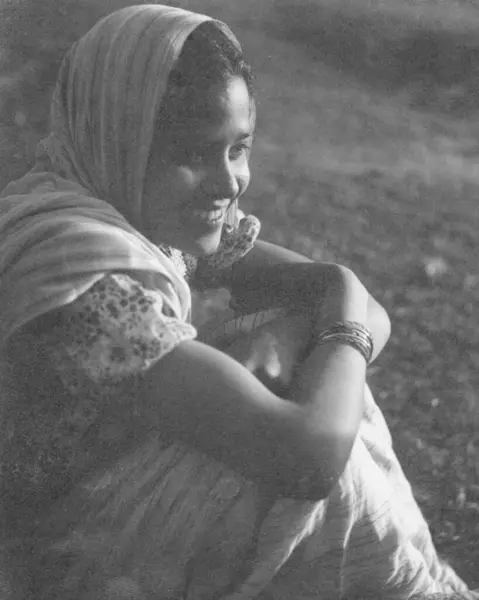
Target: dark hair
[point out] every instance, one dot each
(208, 57)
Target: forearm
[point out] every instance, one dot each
(266, 286)
(333, 403)
(273, 276)
(268, 254)
(267, 275)
(329, 385)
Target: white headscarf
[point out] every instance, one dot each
(105, 108)
(76, 216)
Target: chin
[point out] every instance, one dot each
(207, 249)
(203, 246)
(197, 246)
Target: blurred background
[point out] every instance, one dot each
(366, 154)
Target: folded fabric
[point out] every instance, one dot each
(368, 538)
(167, 522)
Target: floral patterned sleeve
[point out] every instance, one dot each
(78, 362)
(117, 329)
(236, 242)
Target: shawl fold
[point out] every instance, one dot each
(78, 214)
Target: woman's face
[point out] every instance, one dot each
(200, 168)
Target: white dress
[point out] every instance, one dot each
(135, 515)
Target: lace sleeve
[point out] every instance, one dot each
(236, 242)
(116, 329)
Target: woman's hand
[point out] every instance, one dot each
(342, 297)
(270, 275)
(380, 325)
(338, 296)
(273, 351)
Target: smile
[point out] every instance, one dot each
(209, 216)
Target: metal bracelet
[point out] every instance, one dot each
(352, 333)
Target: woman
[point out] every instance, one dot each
(137, 461)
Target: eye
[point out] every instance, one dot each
(242, 149)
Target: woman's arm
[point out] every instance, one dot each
(268, 254)
(119, 345)
(298, 447)
(270, 275)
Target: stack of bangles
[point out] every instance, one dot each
(351, 333)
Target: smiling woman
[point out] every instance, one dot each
(201, 168)
(198, 168)
(138, 462)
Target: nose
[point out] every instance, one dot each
(224, 180)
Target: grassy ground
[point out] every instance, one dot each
(366, 154)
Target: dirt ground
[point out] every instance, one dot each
(366, 154)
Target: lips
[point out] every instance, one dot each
(211, 215)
